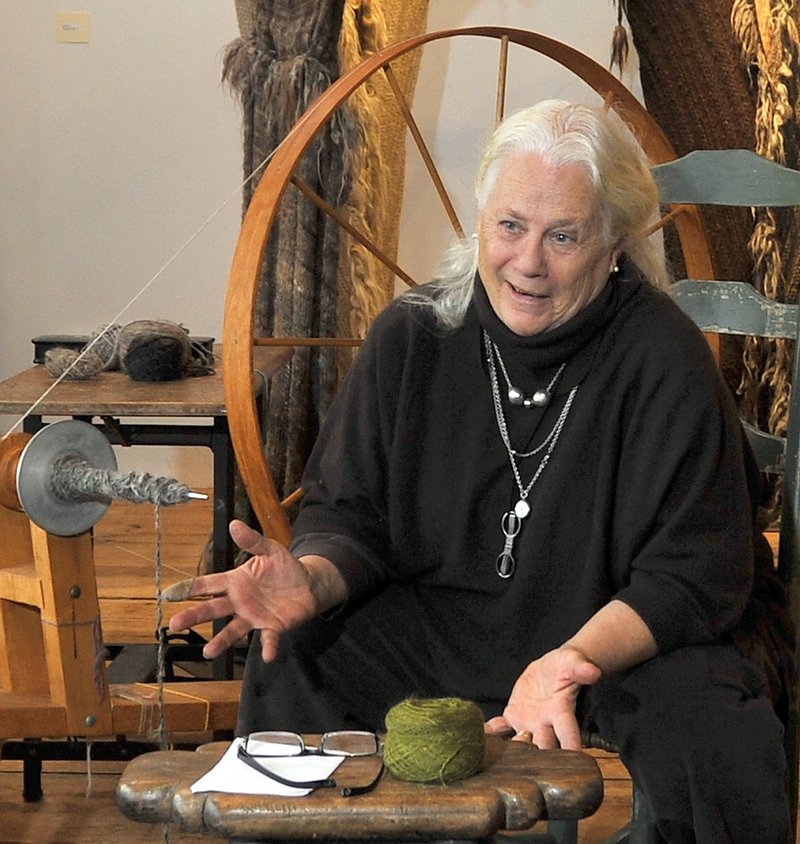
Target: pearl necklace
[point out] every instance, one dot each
(539, 398)
(511, 522)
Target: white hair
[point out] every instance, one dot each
(562, 133)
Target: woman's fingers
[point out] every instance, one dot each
(498, 726)
(196, 588)
(251, 540)
(199, 613)
(226, 638)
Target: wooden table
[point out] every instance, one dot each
(518, 786)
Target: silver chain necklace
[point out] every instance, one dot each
(511, 522)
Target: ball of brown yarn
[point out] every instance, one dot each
(434, 740)
(154, 350)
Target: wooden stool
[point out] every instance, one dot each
(518, 786)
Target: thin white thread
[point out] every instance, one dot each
(146, 708)
(21, 420)
(162, 724)
(88, 768)
(124, 550)
(115, 319)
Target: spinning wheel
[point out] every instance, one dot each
(239, 335)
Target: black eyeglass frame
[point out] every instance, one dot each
(329, 782)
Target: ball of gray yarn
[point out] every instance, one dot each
(72, 365)
(104, 342)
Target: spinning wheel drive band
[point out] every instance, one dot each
(35, 470)
(239, 323)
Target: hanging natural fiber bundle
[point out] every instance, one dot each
(619, 40)
(768, 37)
(434, 740)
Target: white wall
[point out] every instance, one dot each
(114, 153)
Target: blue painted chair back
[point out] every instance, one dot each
(742, 178)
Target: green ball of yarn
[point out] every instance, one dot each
(434, 740)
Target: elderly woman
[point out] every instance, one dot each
(533, 492)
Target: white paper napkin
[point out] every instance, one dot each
(232, 776)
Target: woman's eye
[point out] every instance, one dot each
(511, 226)
(563, 238)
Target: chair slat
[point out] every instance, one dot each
(769, 449)
(735, 177)
(734, 307)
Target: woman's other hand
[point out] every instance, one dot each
(542, 702)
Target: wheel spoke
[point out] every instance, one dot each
(423, 151)
(502, 76)
(366, 242)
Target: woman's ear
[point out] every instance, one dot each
(616, 253)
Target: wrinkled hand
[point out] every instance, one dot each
(271, 593)
(542, 702)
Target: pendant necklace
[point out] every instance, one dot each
(511, 523)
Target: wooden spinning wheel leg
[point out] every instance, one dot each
(51, 657)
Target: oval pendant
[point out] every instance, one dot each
(505, 566)
(522, 508)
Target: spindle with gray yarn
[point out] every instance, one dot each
(67, 477)
(75, 479)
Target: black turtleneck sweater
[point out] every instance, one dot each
(645, 497)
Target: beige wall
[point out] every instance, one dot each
(114, 153)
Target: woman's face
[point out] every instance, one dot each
(539, 248)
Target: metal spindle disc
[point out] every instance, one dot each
(35, 472)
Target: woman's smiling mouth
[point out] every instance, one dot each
(528, 294)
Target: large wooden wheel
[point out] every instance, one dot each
(238, 334)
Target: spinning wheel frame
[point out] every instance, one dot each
(239, 322)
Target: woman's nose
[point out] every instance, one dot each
(531, 258)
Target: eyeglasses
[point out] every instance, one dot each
(276, 744)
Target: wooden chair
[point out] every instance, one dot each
(741, 178)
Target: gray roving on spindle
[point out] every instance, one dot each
(74, 479)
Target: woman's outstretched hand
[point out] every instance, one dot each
(542, 702)
(272, 592)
